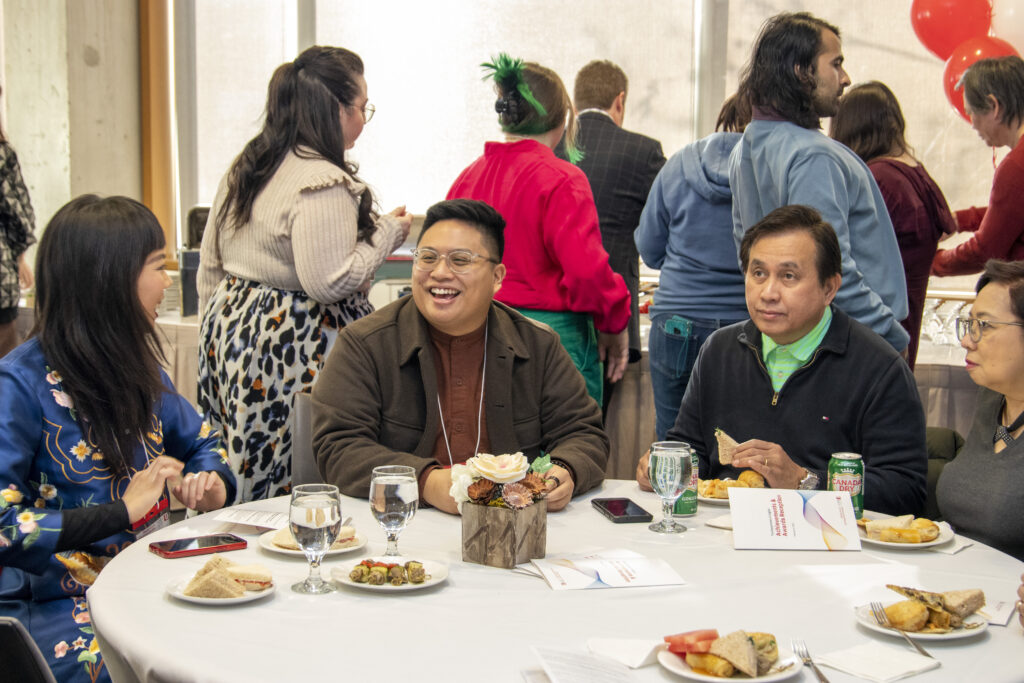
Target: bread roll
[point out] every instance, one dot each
(712, 665)
(907, 615)
(929, 529)
(900, 536)
(752, 479)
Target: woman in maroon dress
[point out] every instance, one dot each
(871, 123)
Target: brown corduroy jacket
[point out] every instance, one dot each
(374, 402)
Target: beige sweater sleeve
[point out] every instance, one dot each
(301, 235)
(329, 261)
(211, 268)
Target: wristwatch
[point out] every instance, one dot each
(810, 481)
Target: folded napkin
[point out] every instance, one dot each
(634, 653)
(958, 544)
(878, 662)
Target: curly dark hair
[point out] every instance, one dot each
(781, 70)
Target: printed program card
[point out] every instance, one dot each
(267, 519)
(617, 568)
(785, 519)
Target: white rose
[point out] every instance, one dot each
(462, 477)
(501, 469)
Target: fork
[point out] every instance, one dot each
(883, 620)
(800, 650)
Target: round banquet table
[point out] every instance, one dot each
(481, 623)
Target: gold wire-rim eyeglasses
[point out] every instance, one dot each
(460, 261)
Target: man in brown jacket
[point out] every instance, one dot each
(435, 378)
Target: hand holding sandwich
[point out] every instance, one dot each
(770, 461)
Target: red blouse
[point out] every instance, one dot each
(998, 229)
(553, 251)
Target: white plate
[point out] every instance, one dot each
(436, 573)
(176, 588)
(867, 620)
(945, 535)
(723, 522)
(267, 543)
(712, 501)
(678, 666)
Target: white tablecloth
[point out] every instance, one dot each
(481, 624)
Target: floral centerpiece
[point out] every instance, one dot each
(507, 480)
(504, 516)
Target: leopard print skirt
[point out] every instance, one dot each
(259, 347)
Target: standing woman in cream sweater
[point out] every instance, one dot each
(288, 255)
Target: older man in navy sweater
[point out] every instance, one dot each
(801, 379)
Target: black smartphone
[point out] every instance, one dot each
(197, 545)
(621, 510)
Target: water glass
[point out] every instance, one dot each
(670, 466)
(394, 497)
(315, 519)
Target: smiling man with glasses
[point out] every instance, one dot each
(435, 378)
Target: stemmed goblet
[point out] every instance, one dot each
(670, 466)
(315, 519)
(394, 497)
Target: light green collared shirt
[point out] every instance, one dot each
(783, 361)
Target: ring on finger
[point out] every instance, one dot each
(558, 482)
(766, 461)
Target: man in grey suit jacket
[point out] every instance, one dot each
(621, 166)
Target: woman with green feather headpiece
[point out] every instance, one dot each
(557, 268)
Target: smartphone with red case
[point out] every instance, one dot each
(197, 545)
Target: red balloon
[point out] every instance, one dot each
(942, 25)
(963, 56)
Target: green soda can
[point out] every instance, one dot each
(846, 473)
(686, 504)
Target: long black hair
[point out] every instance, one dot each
(302, 109)
(781, 70)
(91, 326)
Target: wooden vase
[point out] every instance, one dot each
(504, 537)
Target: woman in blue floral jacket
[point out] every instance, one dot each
(93, 433)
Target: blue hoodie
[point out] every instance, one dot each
(686, 231)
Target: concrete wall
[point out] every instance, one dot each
(72, 98)
(103, 90)
(36, 100)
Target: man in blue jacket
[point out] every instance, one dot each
(794, 78)
(801, 380)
